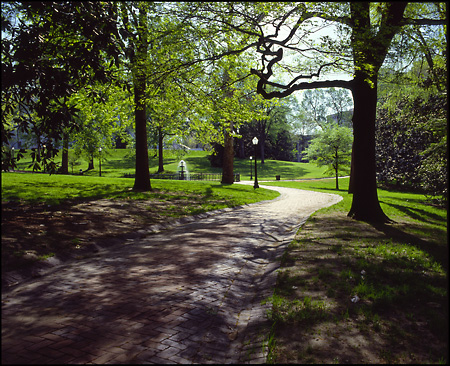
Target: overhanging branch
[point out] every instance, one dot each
(406, 21)
(300, 86)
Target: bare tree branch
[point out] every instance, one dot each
(410, 21)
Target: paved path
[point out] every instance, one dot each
(188, 294)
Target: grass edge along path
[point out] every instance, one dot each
(351, 292)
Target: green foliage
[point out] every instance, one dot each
(332, 148)
(102, 121)
(411, 145)
(284, 147)
(45, 60)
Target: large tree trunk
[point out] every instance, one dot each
(160, 150)
(139, 70)
(368, 60)
(142, 177)
(228, 158)
(91, 163)
(365, 205)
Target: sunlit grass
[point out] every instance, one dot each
(54, 189)
(298, 310)
(412, 207)
(120, 162)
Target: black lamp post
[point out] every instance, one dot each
(43, 153)
(182, 170)
(255, 142)
(251, 168)
(12, 149)
(100, 161)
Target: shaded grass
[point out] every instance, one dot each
(382, 289)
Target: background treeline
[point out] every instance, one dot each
(412, 129)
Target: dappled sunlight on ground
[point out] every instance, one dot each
(401, 290)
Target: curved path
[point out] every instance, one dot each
(188, 294)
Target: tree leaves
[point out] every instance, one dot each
(332, 148)
(412, 145)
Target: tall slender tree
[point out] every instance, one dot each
(332, 148)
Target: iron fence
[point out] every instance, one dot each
(190, 176)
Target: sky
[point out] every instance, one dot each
(321, 30)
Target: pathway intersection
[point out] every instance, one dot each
(190, 293)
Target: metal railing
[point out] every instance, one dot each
(190, 176)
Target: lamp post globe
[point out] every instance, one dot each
(255, 142)
(100, 161)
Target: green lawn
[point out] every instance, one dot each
(54, 189)
(118, 162)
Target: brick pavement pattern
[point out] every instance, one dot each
(190, 293)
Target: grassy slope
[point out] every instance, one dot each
(117, 163)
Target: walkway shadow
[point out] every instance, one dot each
(173, 294)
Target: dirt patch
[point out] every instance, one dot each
(33, 233)
(340, 300)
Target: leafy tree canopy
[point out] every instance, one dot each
(332, 148)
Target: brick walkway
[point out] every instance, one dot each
(188, 294)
